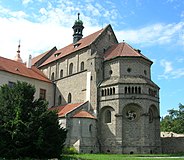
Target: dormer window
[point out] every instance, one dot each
(57, 54)
(76, 45)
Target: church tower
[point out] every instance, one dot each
(17, 57)
(77, 28)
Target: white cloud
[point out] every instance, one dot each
(167, 66)
(169, 71)
(154, 34)
(26, 1)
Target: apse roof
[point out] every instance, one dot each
(122, 50)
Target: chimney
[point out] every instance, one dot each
(29, 62)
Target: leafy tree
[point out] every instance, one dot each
(174, 122)
(27, 127)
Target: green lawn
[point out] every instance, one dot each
(122, 157)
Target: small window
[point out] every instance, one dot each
(113, 90)
(139, 90)
(102, 92)
(107, 116)
(61, 73)
(52, 76)
(71, 68)
(42, 94)
(59, 100)
(82, 66)
(69, 98)
(110, 72)
(110, 91)
(145, 72)
(90, 128)
(129, 70)
(150, 116)
(11, 84)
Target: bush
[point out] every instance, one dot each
(70, 150)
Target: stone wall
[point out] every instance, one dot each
(6, 77)
(172, 145)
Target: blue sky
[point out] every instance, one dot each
(154, 26)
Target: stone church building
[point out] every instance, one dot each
(103, 92)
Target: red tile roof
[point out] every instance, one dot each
(84, 42)
(122, 50)
(83, 114)
(18, 68)
(63, 110)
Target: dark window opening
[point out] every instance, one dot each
(61, 73)
(69, 98)
(82, 66)
(42, 94)
(108, 116)
(71, 69)
(52, 76)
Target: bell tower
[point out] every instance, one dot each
(77, 28)
(17, 57)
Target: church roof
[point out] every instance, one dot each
(18, 68)
(83, 114)
(122, 50)
(82, 43)
(63, 110)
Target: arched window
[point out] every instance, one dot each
(133, 90)
(105, 92)
(139, 90)
(110, 91)
(150, 115)
(102, 92)
(59, 100)
(107, 116)
(71, 69)
(82, 66)
(113, 90)
(61, 73)
(90, 128)
(52, 76)
(129, 90)
(136, 90)
(125, 90)
(69, 98)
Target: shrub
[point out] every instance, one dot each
(70, 150)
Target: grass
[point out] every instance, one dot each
(123, 157)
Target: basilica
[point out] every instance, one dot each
(101, 89)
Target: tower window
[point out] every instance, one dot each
(59, 99)
(52, 76)
(110, 72)
(82, 66)
(150, 116)
(113, 90)
(108, 116)
(61, 73)
(69, 98)
(71, 68)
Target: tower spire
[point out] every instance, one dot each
(77, 28)
(17, 57)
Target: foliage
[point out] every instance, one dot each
(27, 127)
(174, 122)
(69, 150)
